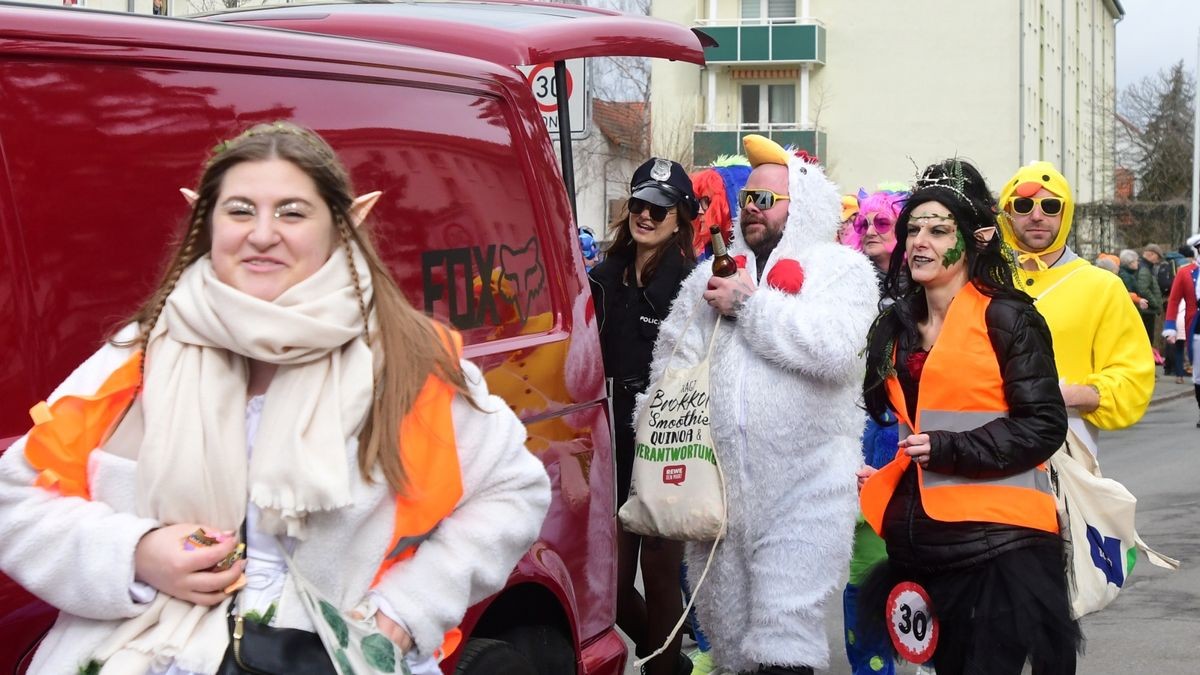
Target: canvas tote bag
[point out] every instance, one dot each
(677, 491)
(1096, 517)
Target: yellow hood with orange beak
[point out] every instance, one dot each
(1025, 183)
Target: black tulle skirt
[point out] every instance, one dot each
(994, 615)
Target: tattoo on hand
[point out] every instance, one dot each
(740, 294)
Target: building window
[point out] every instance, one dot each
(764, 104)
(777, 11)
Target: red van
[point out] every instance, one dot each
(104, 116)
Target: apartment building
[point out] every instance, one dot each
(876, 88)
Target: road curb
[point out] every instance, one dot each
(1170, 397)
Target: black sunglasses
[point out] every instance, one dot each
(1050, 206)
(657, 213)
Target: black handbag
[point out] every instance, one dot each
(258, 649)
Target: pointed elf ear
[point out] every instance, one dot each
(189, 195)
(984, 235)
(361, 206)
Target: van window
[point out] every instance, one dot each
(456, 207)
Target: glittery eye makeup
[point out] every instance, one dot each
(296, 209)
(239, 207)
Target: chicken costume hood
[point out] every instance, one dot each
(786, 377)
(1027, 182)
(1099, 338)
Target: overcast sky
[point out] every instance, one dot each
(1155, 34)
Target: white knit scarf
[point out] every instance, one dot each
(193, 464)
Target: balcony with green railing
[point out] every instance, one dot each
(788, 40)
(712, 140)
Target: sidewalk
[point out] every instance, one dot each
(1165, 389)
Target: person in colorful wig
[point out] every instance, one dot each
(964, 360)
(875, 225)
(1100, 344)
(873, 230)
(794, 317)
(275, 396)
(716, 189)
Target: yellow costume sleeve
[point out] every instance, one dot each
(1122, 364)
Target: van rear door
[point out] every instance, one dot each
(505, 33)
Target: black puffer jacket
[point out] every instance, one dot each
(1035, 427)
(629, 316)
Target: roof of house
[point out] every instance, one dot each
(625, 124)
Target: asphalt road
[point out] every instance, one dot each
(1154, 624)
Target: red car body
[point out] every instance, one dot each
(104, 116)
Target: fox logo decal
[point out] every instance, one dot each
(523, 269)
(488, 285)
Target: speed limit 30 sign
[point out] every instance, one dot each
(545, 90)
(911, 624)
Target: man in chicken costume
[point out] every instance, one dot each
(786, 376)
(1100, 346)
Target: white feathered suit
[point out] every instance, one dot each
(786, 378)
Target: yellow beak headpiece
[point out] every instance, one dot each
(762, 150)
(1026, 182)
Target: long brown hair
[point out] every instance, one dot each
(411, 343)
(624, 243)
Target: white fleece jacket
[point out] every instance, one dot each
(77, 555)
(785, 380)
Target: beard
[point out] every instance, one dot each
(765, 243)
(762, 248)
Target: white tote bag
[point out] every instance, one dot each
(677, 490)
(1096, 515)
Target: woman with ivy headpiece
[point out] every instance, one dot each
(964, 360)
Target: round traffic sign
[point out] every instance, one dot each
(545, 87)
(911, 623)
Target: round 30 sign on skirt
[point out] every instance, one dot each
(911, 624)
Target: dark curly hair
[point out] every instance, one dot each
(957, 185)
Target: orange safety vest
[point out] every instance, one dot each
(961, 389)
(65, 433)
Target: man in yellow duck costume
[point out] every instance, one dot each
(1100, 346)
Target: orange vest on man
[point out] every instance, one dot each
(961, 389)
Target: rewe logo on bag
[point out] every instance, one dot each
(674, 475)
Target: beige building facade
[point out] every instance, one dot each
(876, 88)
(159, 7)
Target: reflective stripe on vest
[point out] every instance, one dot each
(961, 389)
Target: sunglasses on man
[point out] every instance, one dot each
(763, 199)
(657, 213)
(1050, 206)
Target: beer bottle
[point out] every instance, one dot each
(723, 265)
